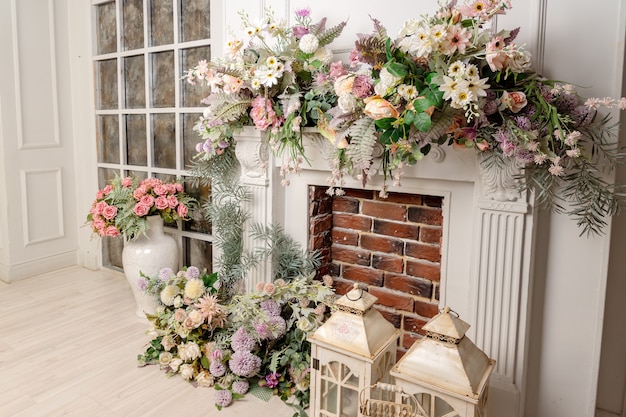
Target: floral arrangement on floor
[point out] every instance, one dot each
(123, 205)
(445, 79)
(254, 343)
(265, 79)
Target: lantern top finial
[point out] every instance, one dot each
(446, 326)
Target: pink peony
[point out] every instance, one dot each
(362, 86)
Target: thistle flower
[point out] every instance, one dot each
(223, 398)
(244, 363)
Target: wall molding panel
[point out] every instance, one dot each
(42, 203)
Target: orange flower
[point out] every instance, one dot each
(379, 108)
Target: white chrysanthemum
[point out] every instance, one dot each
(255, 83)
(271, 62)
(267, 76)
(194, 288)
(462, 97)
(168, 294)
(456, 69)
(407, 92)
(471, 72)
(410, 27)
(449, 87)
(309, 43)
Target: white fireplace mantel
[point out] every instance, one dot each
(486, 249)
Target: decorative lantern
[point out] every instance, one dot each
(446, 372)
(352, 351)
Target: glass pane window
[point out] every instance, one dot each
(142, 48)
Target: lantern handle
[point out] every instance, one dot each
(355, 287)
(448, 310)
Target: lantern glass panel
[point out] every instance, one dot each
(349, 402)
(329, 397)
(437, 408)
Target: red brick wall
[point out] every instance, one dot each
(390, 246)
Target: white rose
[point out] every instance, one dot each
(178, 301)
(304, 324)
(347, 103)
(196, 318)
(189, 351)
(388, 78)
(168, 342)
(324, 55)
(381, 89)
(186, 371)
(309, 43)
(175, 363)
(164, 359)
(520, 61)
(205, 379)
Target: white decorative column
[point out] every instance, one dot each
(502, 256)
(254, 157)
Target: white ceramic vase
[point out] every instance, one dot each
(148, 254)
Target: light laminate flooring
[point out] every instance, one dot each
(68, 347)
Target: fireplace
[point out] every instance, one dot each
(390, 246)
(470, 229)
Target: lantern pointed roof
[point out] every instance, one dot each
(355, 326)
(446, 359)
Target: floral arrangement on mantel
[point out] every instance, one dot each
(123, 206)
(445, 79)
(257, 342)
(266, 79)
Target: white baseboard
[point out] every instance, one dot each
(16, 272)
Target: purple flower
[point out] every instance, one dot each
(192, 272)
(241, 387)
(277, 326)
(362, 86)
(522, 122)
(272, 379)
(165, 274)
(300, 31)
(304, 12)
(217, 368)
(241, 340)
(271, 307)
(244, 363)
(141, 283)
(223, 398)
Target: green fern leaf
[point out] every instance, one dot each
(331, 34)
(363, 139)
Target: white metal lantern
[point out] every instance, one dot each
(353, 350)
(446, 371)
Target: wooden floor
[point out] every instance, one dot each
(68, 347)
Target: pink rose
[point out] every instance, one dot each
(106, 190)
(141, 209)
(172, 201)
(109, 212)
(495, 57)
(127, 182)
(160, 189)
(379, 108)
(139, 192)
(99, 195)
(337, 70)
(514, 101)
(99, 207)
(111, 231)
(182, 210)
(161, 203)
(147, 200)
(98, 223)
(178, 187)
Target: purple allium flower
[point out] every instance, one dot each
(272, 379)
(244, 363)
(217, 369)
(490, 107)
(582, 115)
(192, 272)
(271, 307)
(223, 398)
(277, 326)
(241, 340)
(263, 331)
(241, 387)
(141, 283)
(165, 274)
(566, 102)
